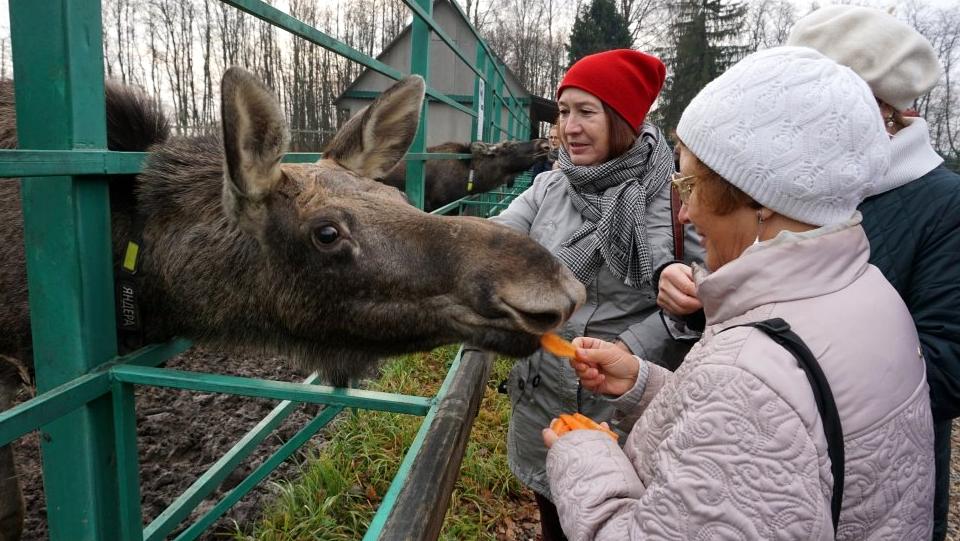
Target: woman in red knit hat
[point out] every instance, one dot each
(605, 212)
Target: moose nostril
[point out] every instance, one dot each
(542, 320)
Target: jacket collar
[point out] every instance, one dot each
(911, 157)
(788, 267)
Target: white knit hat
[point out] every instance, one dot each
(794, 130)
(896, 61)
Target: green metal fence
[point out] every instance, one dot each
(85, 404)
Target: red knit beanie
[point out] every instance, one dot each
(626, 80)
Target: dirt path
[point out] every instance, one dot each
(180, 434)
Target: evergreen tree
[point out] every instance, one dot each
(599, 27)
(703, 34)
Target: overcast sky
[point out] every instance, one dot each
(802, 7)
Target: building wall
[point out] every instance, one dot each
(447, 74)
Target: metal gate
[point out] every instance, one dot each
(85, 403)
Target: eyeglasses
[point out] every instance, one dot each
(684, 185)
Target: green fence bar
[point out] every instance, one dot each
(53, 163)
(389, 499)
(425, 14)
(259, 474)
(58, 66)
(29, 163)
(47, 407)
(277, 390)
(420, 65)
(277, 18)
(181, 508)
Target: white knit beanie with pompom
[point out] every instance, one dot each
(794, 130)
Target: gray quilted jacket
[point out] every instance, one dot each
(731, 446)
(542, 386)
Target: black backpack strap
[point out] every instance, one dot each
(779, 331)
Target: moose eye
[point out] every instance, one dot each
(325, 235)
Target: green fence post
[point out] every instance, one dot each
(477, 123)
(58, 68)
(488, 101)
(501, 84)
(128, 464)
(419, 64)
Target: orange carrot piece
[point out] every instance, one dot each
(590, 423)
(558, 346)
(559, 427)
(573, 422)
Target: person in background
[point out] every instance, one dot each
(549, 162)
(911, 216)
(605, 213)
(732, 445)
(554, 139)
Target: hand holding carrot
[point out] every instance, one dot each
(603, 367)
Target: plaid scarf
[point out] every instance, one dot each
(614, 231)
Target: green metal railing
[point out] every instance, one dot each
(85, 403)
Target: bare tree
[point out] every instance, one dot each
(769, 23)
(941, 106)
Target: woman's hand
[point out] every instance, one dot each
(604, 367)
(678, 292)
(549, 437)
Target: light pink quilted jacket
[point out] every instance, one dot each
(731, 446)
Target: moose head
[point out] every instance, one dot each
(321, 263)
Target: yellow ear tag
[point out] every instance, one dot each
(130, 257)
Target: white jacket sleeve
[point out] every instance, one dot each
(733, 461)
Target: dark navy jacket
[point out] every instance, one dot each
(914, 233)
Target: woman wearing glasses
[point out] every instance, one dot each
(753, 437)
(605, 212)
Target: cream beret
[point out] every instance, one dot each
(896, 61)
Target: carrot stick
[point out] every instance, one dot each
(590, 423)
(559, 427)
(558, 346)
(573, 422)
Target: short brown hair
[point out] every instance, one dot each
(718, 194)
(620, 136)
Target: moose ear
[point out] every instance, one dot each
(376, 138)
(255, 138)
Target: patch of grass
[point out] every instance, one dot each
(343, 482)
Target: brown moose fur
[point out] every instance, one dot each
(493, 164)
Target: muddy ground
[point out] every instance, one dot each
(180, 434)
